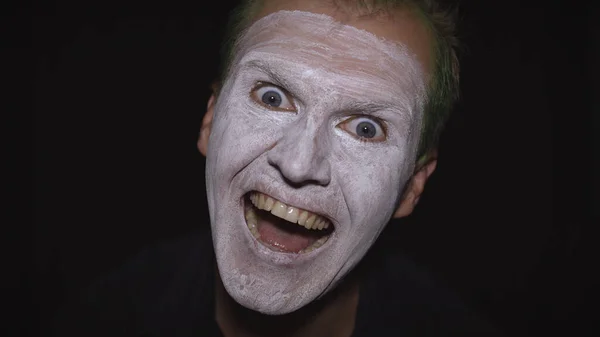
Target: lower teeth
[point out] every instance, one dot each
(251, 222)
(315, 245)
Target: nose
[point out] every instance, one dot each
(301, 157)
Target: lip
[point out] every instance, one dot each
(281, 258)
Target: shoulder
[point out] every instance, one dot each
(147, 290)
(405, 298)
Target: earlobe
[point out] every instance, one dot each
(415, 188)
(206, 125)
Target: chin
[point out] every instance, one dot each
(276, 251)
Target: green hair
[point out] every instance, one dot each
(443, 88)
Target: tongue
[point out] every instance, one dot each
(284, 235)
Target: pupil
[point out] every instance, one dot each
(271, 98)
(366, 130)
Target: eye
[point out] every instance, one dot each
(364, 128)
(272, 96)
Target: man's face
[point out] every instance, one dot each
(313, 138)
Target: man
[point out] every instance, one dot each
(322, 128)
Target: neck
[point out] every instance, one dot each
(333, 315)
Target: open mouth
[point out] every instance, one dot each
(284, 228)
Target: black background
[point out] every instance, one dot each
(120, 91)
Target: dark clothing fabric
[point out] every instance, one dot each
(168, 291)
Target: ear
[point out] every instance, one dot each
(206, 125)
(415, 187)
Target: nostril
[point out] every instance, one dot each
(299, 163)
(299, 184)
(299, 176)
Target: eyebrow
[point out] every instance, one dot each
(271, 71)
(370, 107)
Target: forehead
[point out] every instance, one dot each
(309, 46)
(321, 36)
(401, 23)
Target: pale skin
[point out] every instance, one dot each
(336, 315)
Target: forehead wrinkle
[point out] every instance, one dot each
(337, 37)
(326, 38)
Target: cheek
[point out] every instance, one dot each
(371, 179)
(241, 132)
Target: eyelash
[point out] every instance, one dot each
(259, 85)
(378, 121)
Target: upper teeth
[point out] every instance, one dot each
(292, 214)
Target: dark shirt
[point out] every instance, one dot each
(168, 291)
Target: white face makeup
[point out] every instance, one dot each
(318, 123)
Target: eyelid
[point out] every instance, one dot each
(286, 96)
(373, 119)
